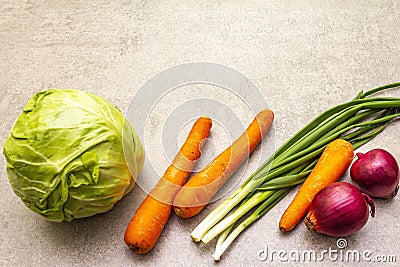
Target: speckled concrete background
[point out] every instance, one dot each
(304, 56)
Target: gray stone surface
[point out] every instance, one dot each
(304, 56)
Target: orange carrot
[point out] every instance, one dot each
(202, 187)
(147, 223)
(334, 161)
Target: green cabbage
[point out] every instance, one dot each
(71, 154)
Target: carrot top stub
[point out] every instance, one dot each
(334, 161)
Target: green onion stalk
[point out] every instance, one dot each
(357, 121)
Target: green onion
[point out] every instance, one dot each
(357, 121)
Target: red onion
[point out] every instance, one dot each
(376, 173)
(339, 209)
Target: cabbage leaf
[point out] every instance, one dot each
(65, 155)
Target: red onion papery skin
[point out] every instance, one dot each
(376, 173)
(339, 209)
